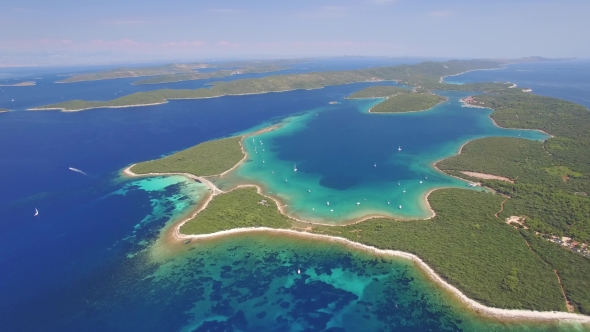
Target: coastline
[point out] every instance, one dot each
(472, 304)
(173, 236)
(62, 109)
(466, 104)
(467, 71)
(427, 109)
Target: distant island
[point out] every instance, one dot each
(190, 76)
(177, 72)
(421, 76)
(135, 72)
(27, 83)
(496, 249)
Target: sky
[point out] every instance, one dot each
(73, 32)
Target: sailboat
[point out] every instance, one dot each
(36, 212)
(399, 148)
(375, 165)
(295, 168)
(328, 203)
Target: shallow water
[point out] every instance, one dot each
(338, 162)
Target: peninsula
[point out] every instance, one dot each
(472, 249)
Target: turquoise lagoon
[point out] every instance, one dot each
(349, 164)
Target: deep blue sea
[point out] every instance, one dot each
(86, 262)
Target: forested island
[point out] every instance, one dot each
(421, 76)
(476, 248)
(399, 100)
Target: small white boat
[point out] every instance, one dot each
(404, 191)
(298, 271)
(285, 179)
(295, 168)
(263, 161)
(328, 203)
(420, 181)
(313, 209)
(398, 183)
(426, 178)
(273, 172)
(375, 165)
(331, 210)
(388, 203)
(358, 203)
(400, 207)
(399, 148)
(308, 190)
(36, 212)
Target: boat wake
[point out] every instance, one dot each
(77, 170)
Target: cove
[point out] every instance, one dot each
(338, 163)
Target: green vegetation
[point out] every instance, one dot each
(573, 270)
(552, 178)
(190, 76)
(415, 75)
(408, 102)
(209, 158)
(378, 91)
(242, 207)
(567, 121)
(468, 247)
